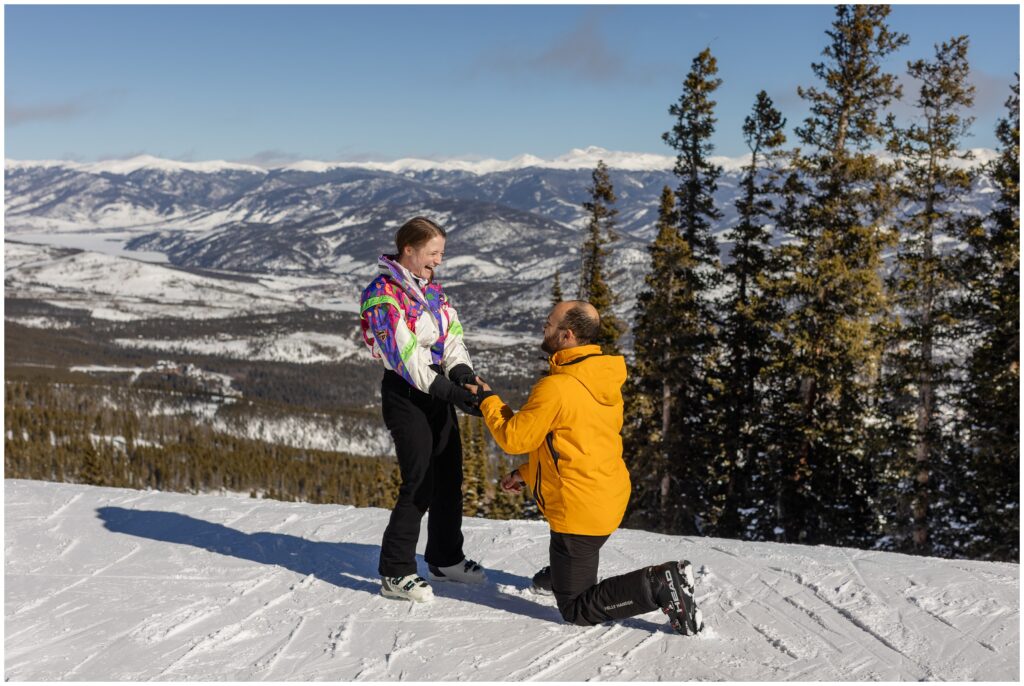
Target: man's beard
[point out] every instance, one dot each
(548, 344)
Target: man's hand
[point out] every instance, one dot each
(480, 389)
(512, 482)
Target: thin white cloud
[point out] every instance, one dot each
(991, 92)
(17, 114)
(583, 53)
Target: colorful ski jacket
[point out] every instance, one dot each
(570, 426)
(409, 324)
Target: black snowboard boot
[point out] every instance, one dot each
(672, 589)
(542, 582)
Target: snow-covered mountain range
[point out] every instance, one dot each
(194, 196)
(106, 584)
(512, 224)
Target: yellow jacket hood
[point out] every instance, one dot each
(602, 375)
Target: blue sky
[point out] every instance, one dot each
(272, 84)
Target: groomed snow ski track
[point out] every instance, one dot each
(113, 584)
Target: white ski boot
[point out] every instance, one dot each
(409, 587)
(467, 572)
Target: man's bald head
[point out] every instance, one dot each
(579, 317)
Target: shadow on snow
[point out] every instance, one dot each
(346, 565)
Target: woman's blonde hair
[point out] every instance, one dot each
(416, 232)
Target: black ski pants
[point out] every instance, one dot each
(429, 449)
(583, 601)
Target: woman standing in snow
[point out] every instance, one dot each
(409, 324)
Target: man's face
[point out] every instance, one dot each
(554, 337)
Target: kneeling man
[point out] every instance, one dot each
(570, 426)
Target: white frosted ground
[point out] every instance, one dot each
(109, 584)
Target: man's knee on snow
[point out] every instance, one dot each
(571, 613)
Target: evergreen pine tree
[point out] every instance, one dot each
(91, 471)
(768, 476)
(913, 443)
(486, 486)
(651, 442)
(692, 319)
(380, 493)
(505, 505)
(989, 401)
(744, 335)
(474, 467)
(832, 292)
(698, 176)
(594, 286)
(556, 291)
(469, 469)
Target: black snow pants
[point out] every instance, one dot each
(583, 601)
(429, 449)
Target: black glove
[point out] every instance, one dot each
(462, 374)
(443, 389)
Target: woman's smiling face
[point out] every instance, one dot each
(423, 259)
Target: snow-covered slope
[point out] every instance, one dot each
(109, 584)
(120, 288)
(114, 287)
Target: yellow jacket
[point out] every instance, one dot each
(570, 426)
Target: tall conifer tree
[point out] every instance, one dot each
(913, 443)
(989, 401)
(694, 321)
(773, 473)
(698, 176)
(744, 335)
(652, 440)
(594, 286)
(833, 295)
(475, 472)
(556, 290)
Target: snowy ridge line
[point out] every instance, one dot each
(106, 584)
(133, 164)
(585, 158)
(575, 159)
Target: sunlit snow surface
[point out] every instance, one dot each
(110, 584)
